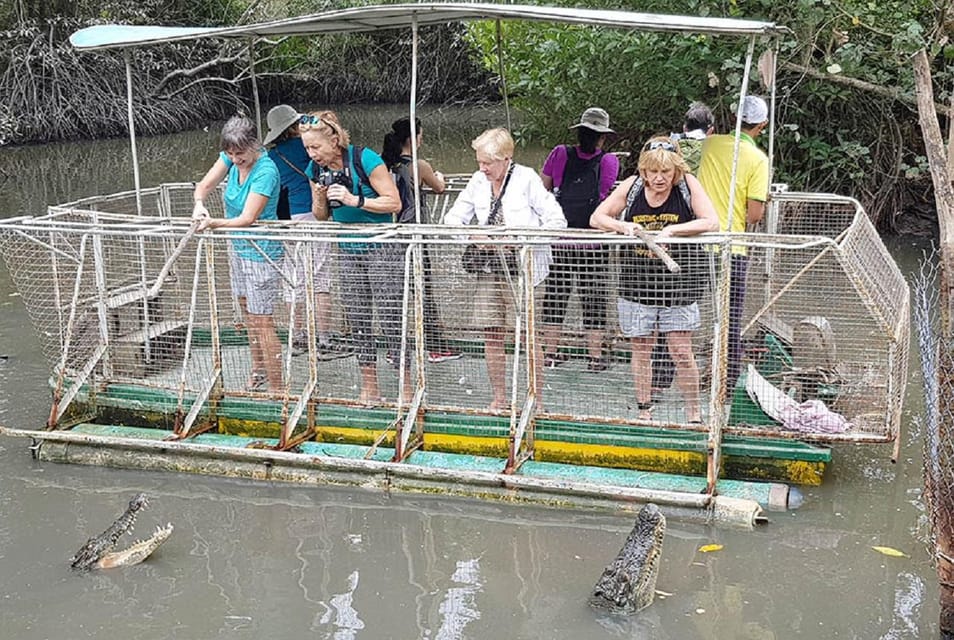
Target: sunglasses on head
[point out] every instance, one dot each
(307, 120)
(665, 145)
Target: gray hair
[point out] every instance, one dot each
(699, 116)
(240, 133)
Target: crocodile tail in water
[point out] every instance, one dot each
(629, 583)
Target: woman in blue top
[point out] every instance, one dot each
(251, 193)
(372, 275)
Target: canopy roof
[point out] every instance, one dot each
(390, 16)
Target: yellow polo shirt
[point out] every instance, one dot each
(715, 174)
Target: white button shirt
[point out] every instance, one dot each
(526, 203)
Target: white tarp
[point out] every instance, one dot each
(390, 16)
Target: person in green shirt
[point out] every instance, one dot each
(352, 185)
(698, 124)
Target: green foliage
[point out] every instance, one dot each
(645, 80)
(831, 136)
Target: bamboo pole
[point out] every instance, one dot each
(283, 466)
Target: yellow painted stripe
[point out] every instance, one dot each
(595, 455)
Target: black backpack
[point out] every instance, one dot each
(358, 167)
(579, 192)
(404, 180)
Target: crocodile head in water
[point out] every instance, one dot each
(98, 551)
(629, 583)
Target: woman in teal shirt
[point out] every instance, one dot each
(353, 187)
(251, 193)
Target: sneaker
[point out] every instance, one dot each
(443, 356)
(554, 360)
(299, 344)
(257, 381)
(334, 350)
(596, 365)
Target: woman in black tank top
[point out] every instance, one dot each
(652, 300)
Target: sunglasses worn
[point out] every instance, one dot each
(660, 144)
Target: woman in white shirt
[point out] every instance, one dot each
(503, 193)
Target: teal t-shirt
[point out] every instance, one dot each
(353, 215)
(264, 180)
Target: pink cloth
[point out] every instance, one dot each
(812, 416)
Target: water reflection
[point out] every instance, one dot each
(41, 175)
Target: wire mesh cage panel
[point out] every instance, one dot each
(798, 213)
(802, 336)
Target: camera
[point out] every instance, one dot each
(328, 178)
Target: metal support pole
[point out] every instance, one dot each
(414, 168)
(738, 131)
(503, 76)
(127, 57)
(771, 135)
(251, 73)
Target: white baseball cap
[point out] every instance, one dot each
(754, 110)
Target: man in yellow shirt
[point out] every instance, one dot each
(748, 207)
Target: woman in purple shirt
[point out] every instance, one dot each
(581, 176)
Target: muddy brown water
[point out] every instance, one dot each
(259, 560)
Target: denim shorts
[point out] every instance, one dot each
(639, 320)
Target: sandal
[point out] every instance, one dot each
(257, 381)
(645, 410)
(596, 365)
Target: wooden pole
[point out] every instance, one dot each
(939, 487)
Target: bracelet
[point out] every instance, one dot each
(360, 201)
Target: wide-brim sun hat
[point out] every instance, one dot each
(595, 119)
(278, 119)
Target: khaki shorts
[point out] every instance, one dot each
(295, 263)
(495, 304)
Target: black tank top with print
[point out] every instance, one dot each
(644, 278)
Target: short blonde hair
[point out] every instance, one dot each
(660, 153)
(496, 144)
(327, 125)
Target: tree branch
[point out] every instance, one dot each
(188, 73)
(862, 85)
(936, 155)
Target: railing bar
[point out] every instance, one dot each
(190, 326)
